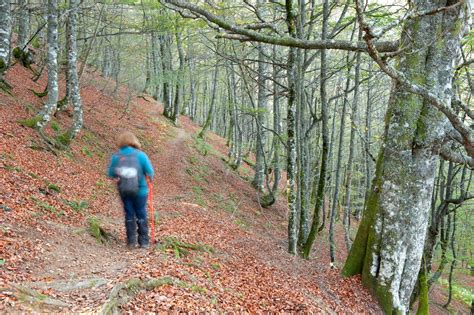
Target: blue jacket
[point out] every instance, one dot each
(144, 162)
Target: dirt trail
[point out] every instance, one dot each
(237, 261)
(78, 269)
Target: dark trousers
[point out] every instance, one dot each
(136, 219)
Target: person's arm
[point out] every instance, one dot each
(113, 163)
(146, 165)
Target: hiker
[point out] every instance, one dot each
(130, 166)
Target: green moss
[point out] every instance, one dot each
(77, 206)
(181, 248)
(31, 122)
(33, 175)
(423, 306)
(421, 128)
(54, 187)
(55, 126)
(216, 266)
(458, 25)
(35, 43)
(156, 283)
(385, 299)
(241, 223)
(17, 53)
(46, 206)
(198, 289)
(62, 103)
(227, 204)
(97, 231)
(87, 152)
(41, 94)
(134, 285)
(12, 168)
(198, 196)
(63, 139)
(355, 261)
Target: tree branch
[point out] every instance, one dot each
(466, 134)
(280, 40)
(412, 15)
(456, 157)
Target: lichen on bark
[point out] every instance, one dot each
(389, 244)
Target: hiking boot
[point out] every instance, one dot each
(131, 229)
(143, 239)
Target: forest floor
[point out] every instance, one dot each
(217, 248)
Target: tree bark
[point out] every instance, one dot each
(208, 121)
(53, 90)
(165, 45)
(5, 34)
(73, 76)
(350, 160)
(23, 25)
(291, 145)
(315, 227)
(180, 80)
(389, 244)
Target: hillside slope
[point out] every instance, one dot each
(218, 250)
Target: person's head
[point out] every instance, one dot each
(128, 139)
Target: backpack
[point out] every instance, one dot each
(129, 171)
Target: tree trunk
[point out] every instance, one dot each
(147, 67)
(5, 34)
(23, 25)
(291, 145)
(180, 80)
(315, 227)
(350, 160)
(207, 124)
(154, 61)
(51, 104)
(453, 263)
(335, 200)
(389, 244)
(261, 117)
(165, 45)
(277, 127)
(368, 137)
(72, 64)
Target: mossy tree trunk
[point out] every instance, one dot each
(315, 225)
(166, 59)
(53, 90)
(180, 79)
(291, 140)
(23, 25)
(207, 123)
(388, 247)
(5, 33)
(72, 70)
(262, 110)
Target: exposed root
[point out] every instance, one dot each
(31, 296)
(124, 292)
(181, 248)
(5, 87)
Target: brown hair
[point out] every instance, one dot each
(128, 139)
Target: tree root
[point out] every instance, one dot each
(181, 248)
(41, 94)
(5, 87)
(31, 296)
(124, 292)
